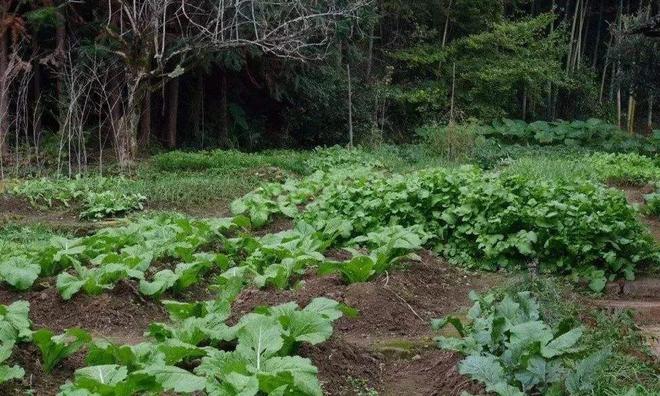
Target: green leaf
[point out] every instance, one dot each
(19, 272)
(15, 323)
(438, 324)
(563, 344)
(485, 369)
(289, 375)
(325, 307)
(359, 269)
(55, 348)
(8, 373)
(68, 285)
(587, 372)
(175, 379)
(163, 280)
(259, 337)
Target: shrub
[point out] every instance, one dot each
(453, 141)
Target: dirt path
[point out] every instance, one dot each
(635, 196)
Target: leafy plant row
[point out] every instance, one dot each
(98, 261)
(197, 351)
(491, 221)
(592, 132)
(630, 168)
(94, 195)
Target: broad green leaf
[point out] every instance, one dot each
(485, 369)
(175, 379)
(55, 348)
(563, 344)
(19, 272)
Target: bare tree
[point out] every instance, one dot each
(286, 28)
(158, 40)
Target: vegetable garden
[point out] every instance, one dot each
(328, 283)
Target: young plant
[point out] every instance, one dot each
(390, 245)
(56, 348)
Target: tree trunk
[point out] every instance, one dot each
(453, 94)
(4, 98)
(145, 119)
(223, 137)
(128, 129)
(524, 104)
(618, 108)
(36, 94)
(350, 107)
(649, 116)
(444, 34)
(197, 105)
(370, 53)
(60, 38)
(172, 112)
(631, 114)
(594, 61)
(584, 25)
(572, 37)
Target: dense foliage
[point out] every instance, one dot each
(257, 355)
(406, 63)
(592, 132)
(91, 194)
(513, 352)
(492, 222)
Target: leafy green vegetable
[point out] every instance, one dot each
(512, 351)
(56, 348)
(14, 328)
(19, 272)
(490, 221)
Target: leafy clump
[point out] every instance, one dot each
(652, 202)
(630, 168)
(388, 245)
(97, 262)
(512, 351)
(198, 351)
(592, 132)
(14, 328)
(98, 196)
(55, 348)
(110, 203)
(490, 221)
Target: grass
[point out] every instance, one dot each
(626, 169)
(230, 160)
(24, 234)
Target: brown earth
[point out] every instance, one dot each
(390, 344)
(635, 196)
(14, 210)
(120, 316)
(387, 347)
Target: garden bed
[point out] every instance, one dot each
(387, 347)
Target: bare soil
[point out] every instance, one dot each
(14, 210)
(388, 347)
(120, 316)
(635, 196)
(390, 344)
